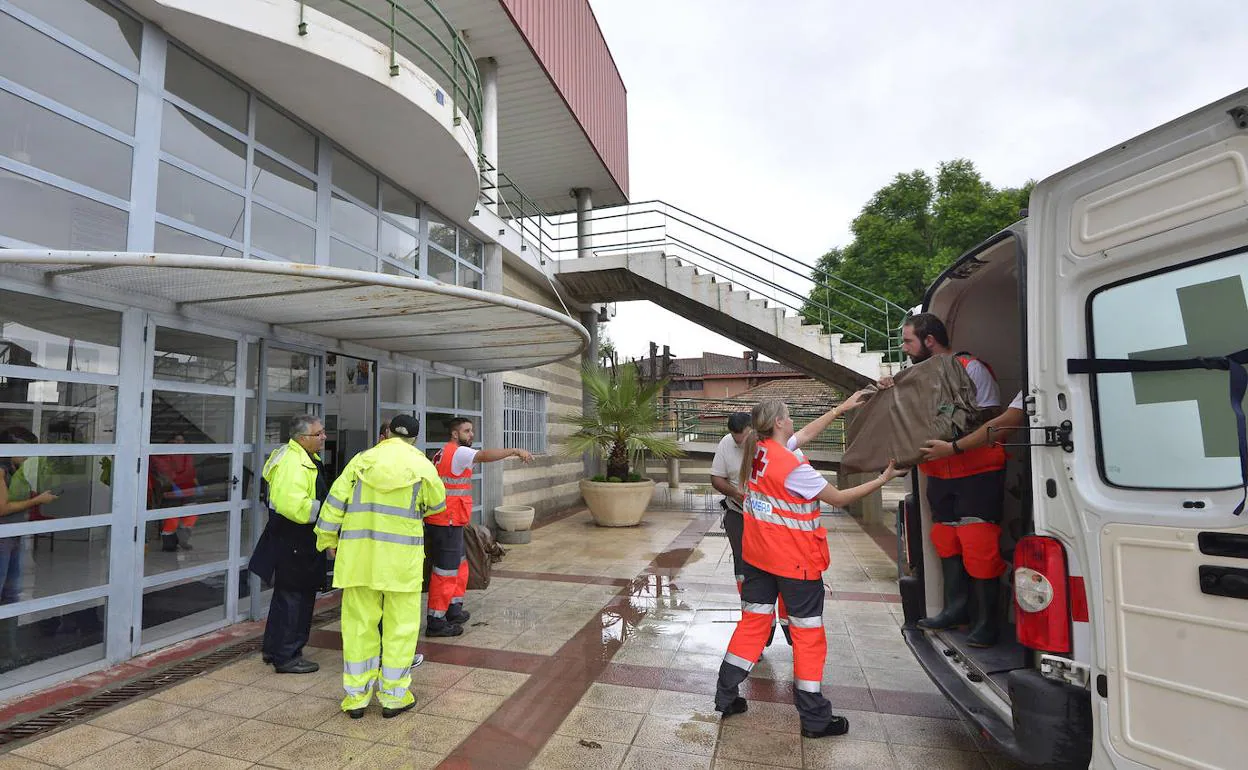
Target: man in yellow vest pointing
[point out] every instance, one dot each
(372, 521)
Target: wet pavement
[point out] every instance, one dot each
(591, 648)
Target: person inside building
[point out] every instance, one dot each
(286, 554)
(17, 499)
(784, 553)
(966, 496)
(175, 476)
(448, 581)
(372, 524)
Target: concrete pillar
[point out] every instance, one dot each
(673, 472)
(492, 403)
(488, 68)
(589, 319)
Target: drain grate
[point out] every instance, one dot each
(105, 699)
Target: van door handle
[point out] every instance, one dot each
(1226, 544)
(1224, 581)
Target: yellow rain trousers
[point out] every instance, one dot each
(384, 660)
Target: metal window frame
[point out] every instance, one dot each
(524, 424)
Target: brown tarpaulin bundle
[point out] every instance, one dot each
(482, 551)
(934, 399)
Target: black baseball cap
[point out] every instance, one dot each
(404, 425)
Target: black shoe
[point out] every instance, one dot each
(738, 706)
(355, 713)
(838, 726)
(169, 542)
(184, 539)
(298, 666)
(458, 618)
(267, 658)
(984, 632)
(436, 627)
(389, 713)
(957, 594)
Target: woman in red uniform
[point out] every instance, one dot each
(785, 550)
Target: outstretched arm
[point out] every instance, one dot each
(808, 433)
(494, 455)
(990, 432)
(843, 497)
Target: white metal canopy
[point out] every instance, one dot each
(473, 329)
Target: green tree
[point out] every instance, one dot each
(906, 235)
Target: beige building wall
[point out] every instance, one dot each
(550, 483)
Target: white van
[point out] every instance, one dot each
(1127, 642)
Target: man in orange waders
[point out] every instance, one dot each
(444, 532)
(965, 493)
(785, 551)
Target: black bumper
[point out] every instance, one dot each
(1052, 725)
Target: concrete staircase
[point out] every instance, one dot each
(715, 304)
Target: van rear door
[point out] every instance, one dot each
(1142, 253)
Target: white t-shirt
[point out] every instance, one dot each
(987, 392)
(804, 481)
(464, 456)
(727, 461)
(1017, 403)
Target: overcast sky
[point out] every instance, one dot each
(780, 119)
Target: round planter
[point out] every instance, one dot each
(617, 505)
(514, 518)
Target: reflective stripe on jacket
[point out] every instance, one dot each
(782, 535)
(374, 517)
(458, 489)
(972, 462)
(291, 476)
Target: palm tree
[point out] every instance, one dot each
(624, 422)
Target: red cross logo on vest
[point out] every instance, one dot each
(759, 466)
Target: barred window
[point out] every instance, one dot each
(524, 418)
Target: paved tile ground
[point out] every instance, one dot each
(592, 648)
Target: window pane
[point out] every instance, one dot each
(354, 222)
(440, 391)
(397, 387)
(199, 202)
(284, 187)
(400, 206)
(399, 245)
(289, 371)
(277, 420)
(175, 480)
(469, 395)
(344, 255)
(390, 269)
(441, 266)
(82, 485)
(191, 418)
(69, 560)
(469, 278)
(441, 233)
(355, 179)
(48, 333)
(191, 139)
(57, 640)
(205, 89)
(437, 430)
(182, 606)
(60, 412)
(208, 536)
(31, 134)
(188, 357)
(94, 22)
(44, 65)
(280, 235)
(472, 251)
(48, 216)
(170, 240)
(1171, 430)
(285, 136)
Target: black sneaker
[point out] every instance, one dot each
(389, 713)
(838, 726)
(169, 542)
(355, 713)
(738, 706)
(441, 627)
(298, 666)
(458, 618)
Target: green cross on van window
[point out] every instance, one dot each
(1215, 320)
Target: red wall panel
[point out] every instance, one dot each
(566, 39)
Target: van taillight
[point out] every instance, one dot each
(1040, 593)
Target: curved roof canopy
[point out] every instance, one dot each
(476, 330)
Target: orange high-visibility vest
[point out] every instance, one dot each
(972, 462)
(782, 535)
(458, 489)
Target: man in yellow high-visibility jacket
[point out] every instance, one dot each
(373, 520)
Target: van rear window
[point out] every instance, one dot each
(1170, 430)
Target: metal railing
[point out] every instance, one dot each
(704, 420)
(419, 31)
